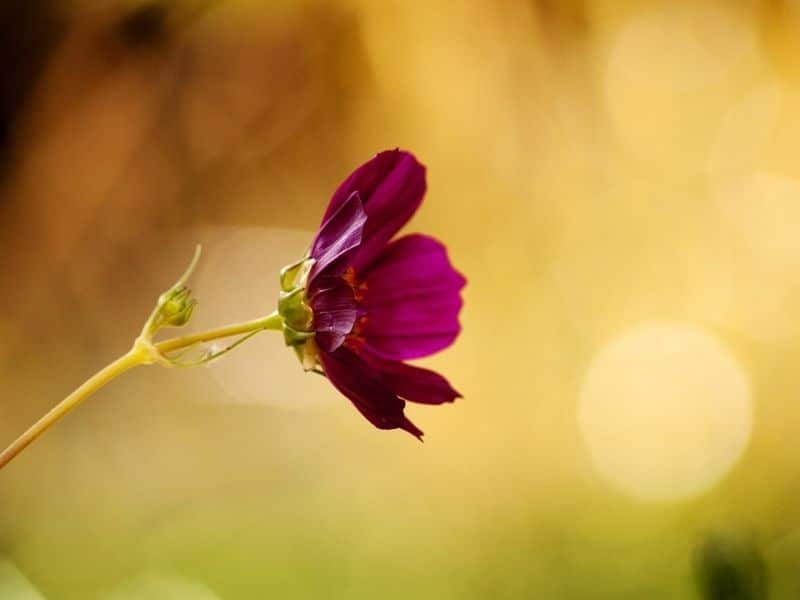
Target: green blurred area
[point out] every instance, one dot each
(597, 169)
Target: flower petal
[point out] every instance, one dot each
(414, 384)
(341, 232)
(412, 300)
(365, 389)
(335, 312)
(391, 187)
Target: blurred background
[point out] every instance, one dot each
(617, 179)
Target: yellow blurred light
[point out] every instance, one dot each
(749, 255)
(745, 131)
(14, 585)
(665, 411)
(161, 587)
(758, 278)
(666, 72)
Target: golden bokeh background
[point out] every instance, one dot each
(619, 181)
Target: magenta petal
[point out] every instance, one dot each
(391, 187)
(363, 387)
(340, 233)
(335, 312)
(409, 266)
(412, 300)
(414, 384)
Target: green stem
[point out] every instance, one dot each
(138, 355)
(89, 387)
(272, 321)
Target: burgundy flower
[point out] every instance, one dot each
(361, 304)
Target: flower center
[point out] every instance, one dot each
(355, 339)
(359, 287)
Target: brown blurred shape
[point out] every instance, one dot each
(143, 120)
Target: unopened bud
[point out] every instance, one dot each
(176, 308)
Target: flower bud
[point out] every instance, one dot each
(175, 308)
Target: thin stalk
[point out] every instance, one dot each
(86, 389)
(138, 355)
(272, 321)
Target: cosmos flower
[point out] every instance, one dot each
(360, 304)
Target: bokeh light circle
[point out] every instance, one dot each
(237, 280)
(666, 75)
(665, 411)
(751, 274)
